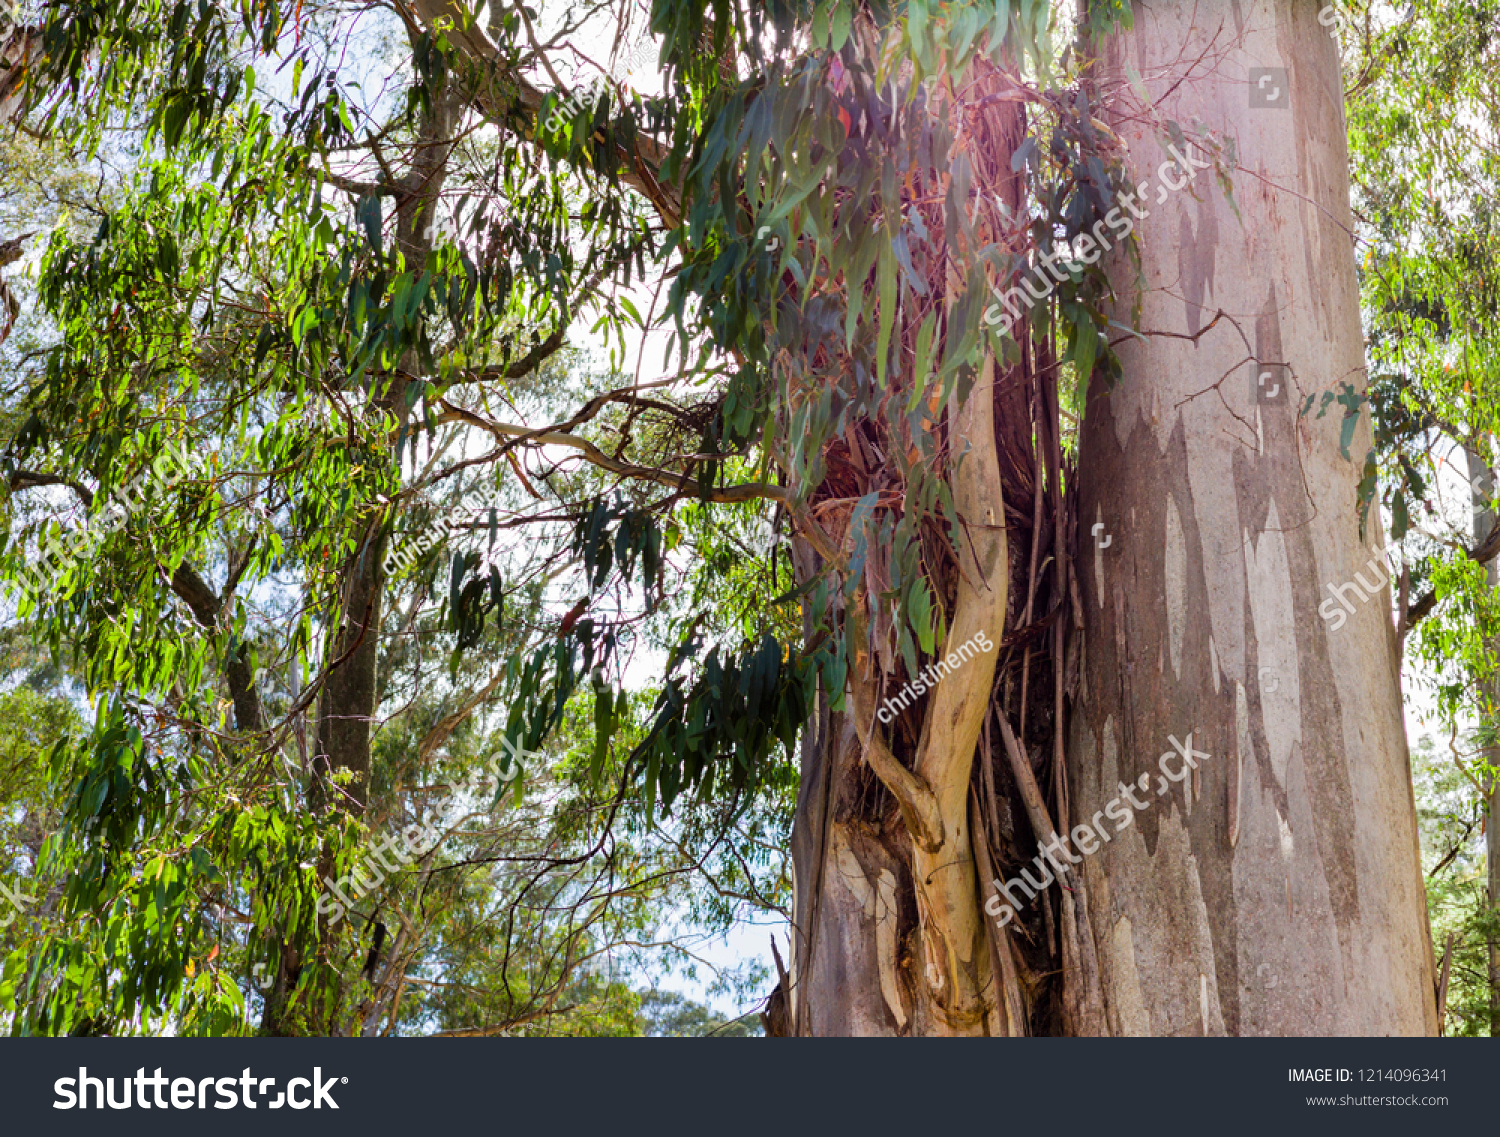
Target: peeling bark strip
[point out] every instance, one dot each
(892, 839)
(1289, 901)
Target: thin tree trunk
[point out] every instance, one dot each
(1277, 890)
(347, 706)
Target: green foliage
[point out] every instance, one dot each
(1425, 182)
(803, 253)
(301, 332)
(1451, 822)
(1425, 175)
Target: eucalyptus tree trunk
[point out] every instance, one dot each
(890, 938)
(1278, 890)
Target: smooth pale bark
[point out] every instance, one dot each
(1279, 890)
(848, 883)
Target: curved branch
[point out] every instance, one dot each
(30, 480)
(1486, 551)
(637, 167)
(749, 491)
(194, 591)
(918, 804)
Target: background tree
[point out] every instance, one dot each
(1422, 130)
(268, 700)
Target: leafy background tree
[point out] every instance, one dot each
(1422, 130)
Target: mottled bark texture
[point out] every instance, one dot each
(1278, 891)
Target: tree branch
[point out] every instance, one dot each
(918, 804)
(544, 436)
(31, 479)
(637, 167)
(1483, 553)
(206, 607)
